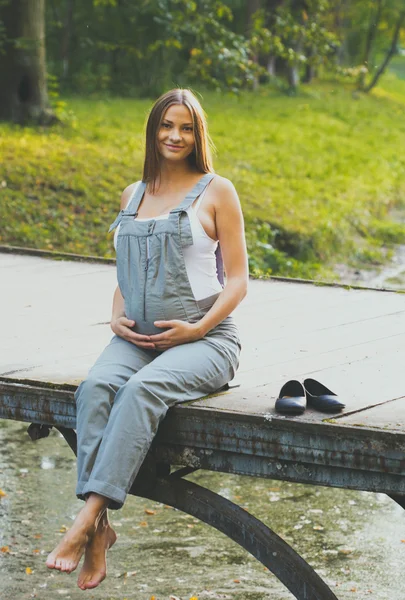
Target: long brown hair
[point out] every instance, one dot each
(200, 158)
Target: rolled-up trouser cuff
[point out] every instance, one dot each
(114, 494)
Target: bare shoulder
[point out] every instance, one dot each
(224, 194)
(127, 193)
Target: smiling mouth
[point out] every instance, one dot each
(171, 146)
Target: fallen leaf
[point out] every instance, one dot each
(193, 598)
(149, 511)
(38, 536)
(152, 598)
(318, 528)
(353, 589)
(403, 541)
(28, 571)
(36, 551)
(5, 549)
(130, 573)
(63, 529)
(2, 494)
(236, 580)
(143, 524)
(190, 526)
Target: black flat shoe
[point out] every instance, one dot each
(320, 398)
(291, 400)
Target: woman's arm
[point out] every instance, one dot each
(118, 309)
(121, 326)
(231, 235)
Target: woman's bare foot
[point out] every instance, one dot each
(67, 554)
(94, 568)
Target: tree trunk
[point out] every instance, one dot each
(341, 24)
(310, 73)
(67, 35)
(293, 76)
(390, 53)
(372, 30)
(251, 7)
(271, 65)
(23, 90)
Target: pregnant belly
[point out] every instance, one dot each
(157, 309)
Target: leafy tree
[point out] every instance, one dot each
(295, 37)
(392, 49)
(144, 47)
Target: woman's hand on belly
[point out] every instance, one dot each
(122, 327)
(178, 332)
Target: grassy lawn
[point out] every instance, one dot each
(320, 175)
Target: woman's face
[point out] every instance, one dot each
(176, 136)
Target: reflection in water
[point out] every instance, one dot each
(353, 539)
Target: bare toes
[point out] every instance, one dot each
(92, 584)
(70, 567)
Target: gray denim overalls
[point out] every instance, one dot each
(129, 389)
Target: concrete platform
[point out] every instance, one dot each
(55, 321)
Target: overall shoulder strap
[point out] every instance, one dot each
(133, 201)
(136, 197)
(194, 193)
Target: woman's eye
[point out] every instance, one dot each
(168, 126)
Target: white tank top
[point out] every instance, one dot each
(199, 258)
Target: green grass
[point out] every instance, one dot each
(318, 174)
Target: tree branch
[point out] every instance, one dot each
(390, 53)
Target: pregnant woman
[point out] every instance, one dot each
(174, 339)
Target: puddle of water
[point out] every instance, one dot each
(355, 540)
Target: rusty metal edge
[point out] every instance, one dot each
(191, 434)
(296, 424)
(66, 392)
(233, 463)
(34, 384)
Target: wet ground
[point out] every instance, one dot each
(355, 540)
(389, 275)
